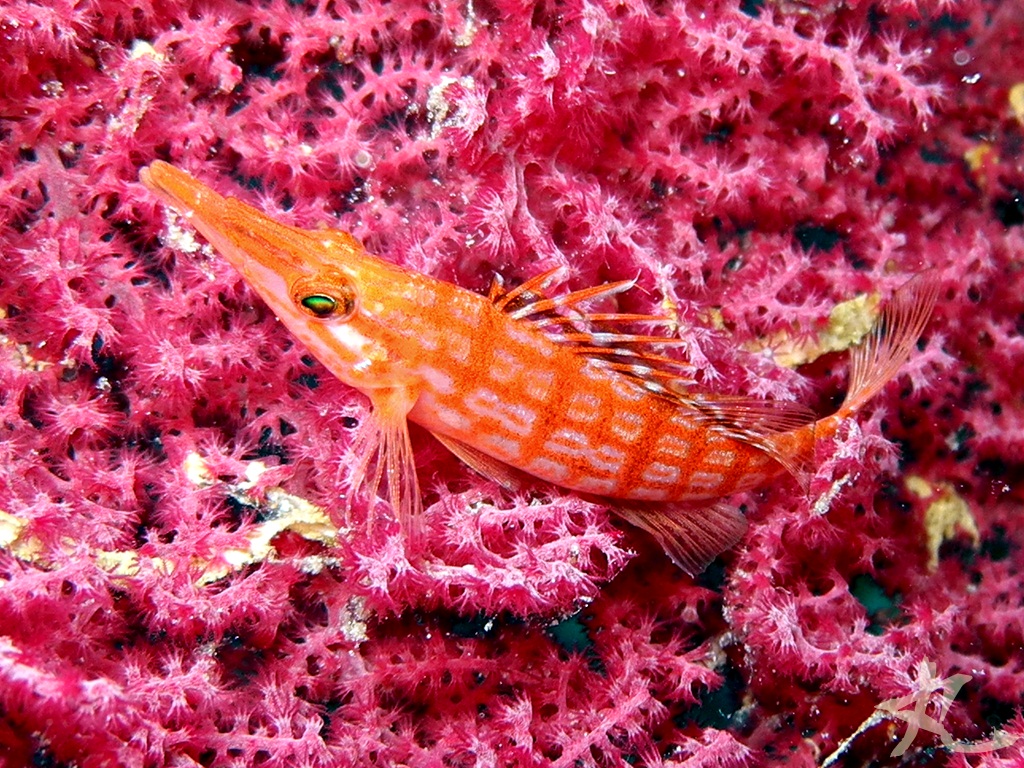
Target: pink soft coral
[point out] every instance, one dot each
(170, 596)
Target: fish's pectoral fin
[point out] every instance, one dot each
(501, 473)
(691, 535)
(383, 442)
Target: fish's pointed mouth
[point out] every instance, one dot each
(250, 240)
(178, 188)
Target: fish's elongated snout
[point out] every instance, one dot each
(254, 244)
(179, 189)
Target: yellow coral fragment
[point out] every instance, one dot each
(848, 323)
(197, 472)
(283, 512)
(714, 318)
(286, 513)
(946, 516)
(977, 156)
(12, 529)
(1016, 99)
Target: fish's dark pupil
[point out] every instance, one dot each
(319, 304)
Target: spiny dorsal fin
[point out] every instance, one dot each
(529, 300)
(528, 291)
(594, 334)
(749, 414)
(565, 320)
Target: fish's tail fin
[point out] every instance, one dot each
(888, 345)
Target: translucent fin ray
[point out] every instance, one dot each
(691, 536)
(878, 358)
(603, 317)
(497, 471)
(383, 442)
(749, 414)
(570, 300)
(599, 338)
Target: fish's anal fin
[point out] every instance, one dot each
(691, 535)
(383, 441)
(501, 473)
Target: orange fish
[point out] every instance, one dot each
(522, 382)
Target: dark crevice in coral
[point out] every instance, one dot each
(479, 625)
(997, 545)
(571, 635)
(752, 8)
(936, 154)
(996, 713)
(257, 55)
(1010, 209)
(308, 380)
(241, 509)
(882, 607)
(717, 708)
(719, 135)
(714, 576)
(267, 447)
(817, 237)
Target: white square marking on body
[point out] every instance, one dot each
(504, 367)
(706, 481)
(660, 473)
(537, 384)
(506, 446)
(627, 425)
(672, 446)
(583, 406)
(458, 347)
(720, 458)
(548, 469)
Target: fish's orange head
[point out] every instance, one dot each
(349, 308)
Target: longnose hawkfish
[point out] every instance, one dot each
(520, 382)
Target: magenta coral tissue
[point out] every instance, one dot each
(180, 580)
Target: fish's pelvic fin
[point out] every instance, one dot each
(691, 535)
(383, 442)
(499, 472)
(879, 356)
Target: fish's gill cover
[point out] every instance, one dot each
(174, 587)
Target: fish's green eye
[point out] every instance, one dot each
(326, 296)
(319, 304)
